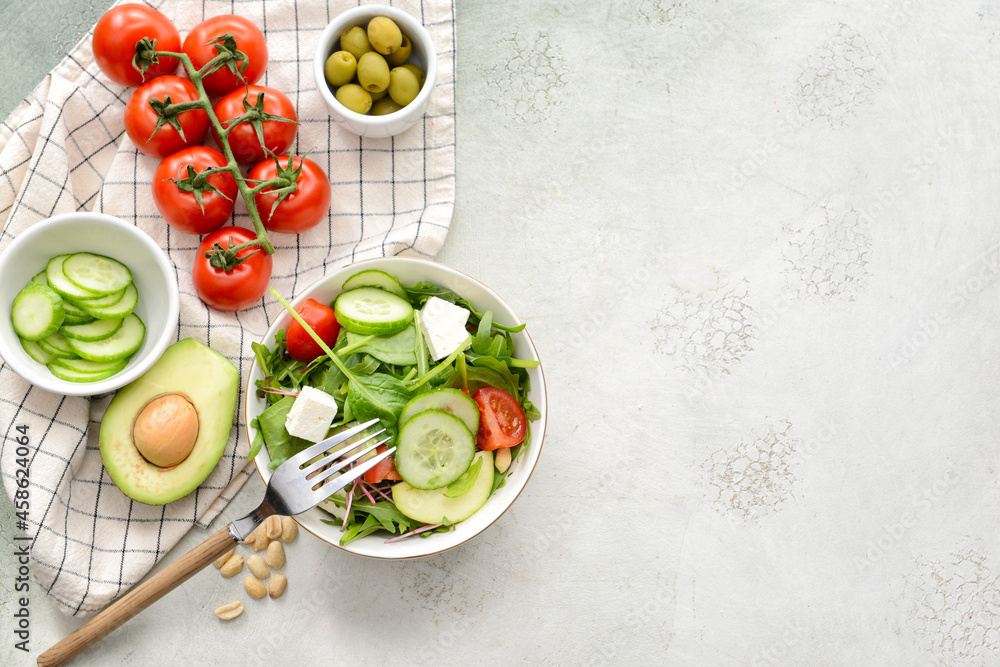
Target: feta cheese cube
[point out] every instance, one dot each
(311, 414)
(443, 326)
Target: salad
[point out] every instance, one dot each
(437, 374)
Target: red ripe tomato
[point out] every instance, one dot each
(241, 286)
(383, 470)
(114, 41)
(501, 420)
(178, 206)
(140, 117)
(278, 136)
(199, 45)
(303, 209)
(323, 321)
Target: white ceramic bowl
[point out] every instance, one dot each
(424, 56)
(411, 271)
(102, 234)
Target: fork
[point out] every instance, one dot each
(298, 484)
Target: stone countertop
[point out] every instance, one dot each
(757, 250)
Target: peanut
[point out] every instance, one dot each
(228, 612)
(277, 585)
(261, 540)
(255, 587)
(233, 566)
(221, 560)
(289, 529)
(250, 538)
(502, 459)
(275, 556)
(258, 567)
(273, 527)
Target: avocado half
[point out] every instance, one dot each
(179, 414)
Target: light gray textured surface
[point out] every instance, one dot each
(757, 249)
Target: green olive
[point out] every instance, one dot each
(340, 68)
(402, 54)
(383, 107)
(417, 72)
(403, 86)
(377, 96)
(354, 97)
(355, 42)
(384, 35)
(373, 72)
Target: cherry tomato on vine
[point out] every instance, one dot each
(278, 135)
(501, 420)
(323, 321)
(177, 202)
(141, 118)
(199, 45)
(241, 286)
(114, 41)
(301, 210)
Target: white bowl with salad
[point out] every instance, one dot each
(447, 368)
(91, 303)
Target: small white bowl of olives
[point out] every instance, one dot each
(375, 67)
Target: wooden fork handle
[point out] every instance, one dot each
(138, 599)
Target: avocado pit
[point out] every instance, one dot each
(165, 430)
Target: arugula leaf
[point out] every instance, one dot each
(378, 395)
(280, 445)
(258, 440)
(398, 349)
(386, 514)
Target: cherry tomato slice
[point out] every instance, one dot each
(383, 470)
(501, 420)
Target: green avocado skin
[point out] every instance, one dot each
(205, 378)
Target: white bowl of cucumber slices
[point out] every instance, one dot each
(472, 503)
(91, 303)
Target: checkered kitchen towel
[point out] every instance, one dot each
(64, 149)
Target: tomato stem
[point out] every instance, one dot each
(232, 167)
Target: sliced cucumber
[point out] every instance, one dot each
(452, 401)
(36, 352)
(57, 346)
(76, 376)
(96, 330)
(433, 449)
(90, 367)
(96, 273)
(37, 312)
(58, 281)
(40, 278)
(75, 314)
(120, 345)
(434, 507)
(106, 300)
(375, 278)
(118, 311)
(369, 310)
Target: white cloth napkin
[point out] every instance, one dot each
(64, 149)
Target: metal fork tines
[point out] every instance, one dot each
(301, 482)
